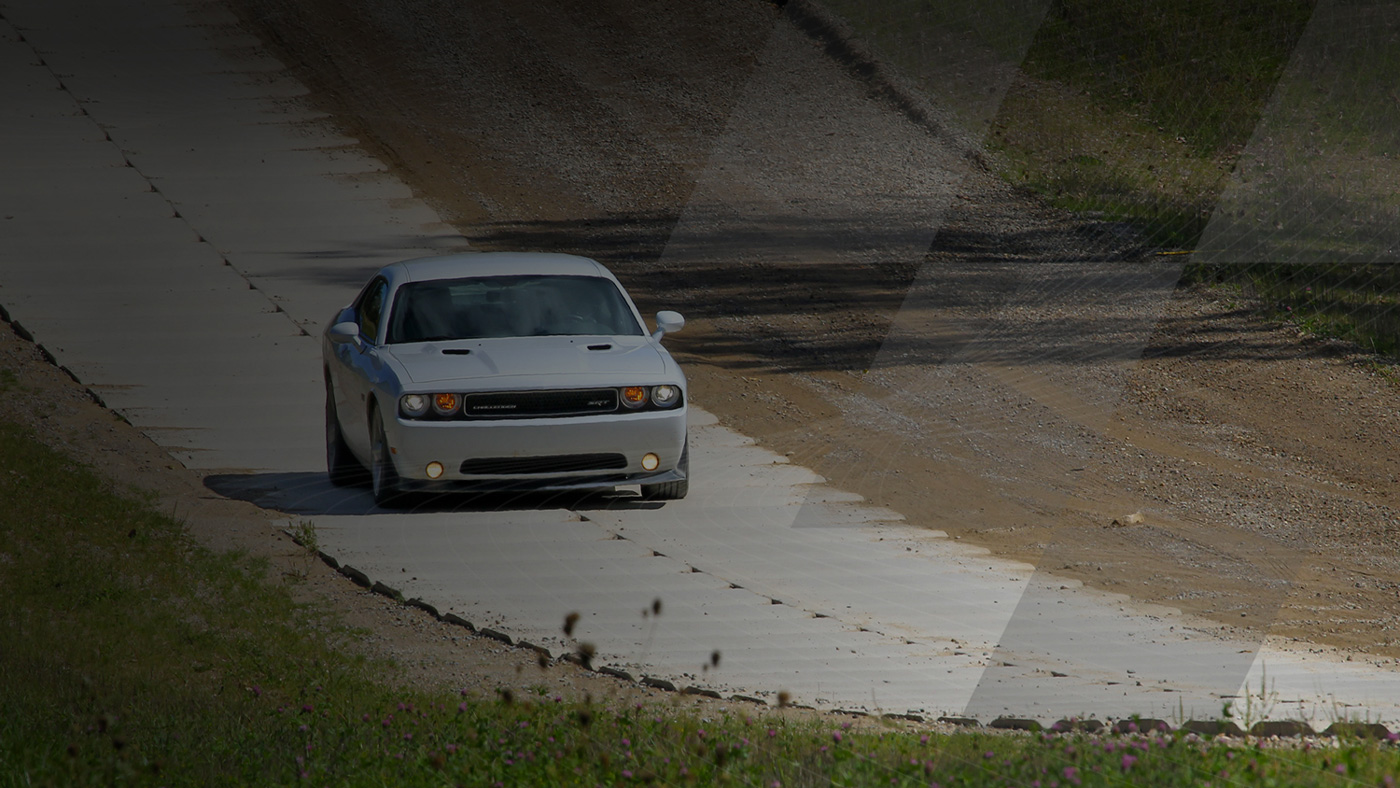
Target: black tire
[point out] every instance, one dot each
(384, 477)
(341, 466)
(671, 491)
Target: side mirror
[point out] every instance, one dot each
(346, 333)
(668, 322)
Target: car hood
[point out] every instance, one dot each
(596, 360)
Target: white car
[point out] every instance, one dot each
(486, 371)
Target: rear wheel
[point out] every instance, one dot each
(341, 465)
(671, 491)
(384, 477)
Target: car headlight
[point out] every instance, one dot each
(634, 397)
(665, 396)
(445, 404)
(413, 405)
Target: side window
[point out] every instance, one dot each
(370, 309)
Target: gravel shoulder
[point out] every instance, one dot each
(1179, 448)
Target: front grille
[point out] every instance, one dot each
(563, 463)
(538, 404)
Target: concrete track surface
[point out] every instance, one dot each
(175, 227)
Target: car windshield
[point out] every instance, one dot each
(509, 306)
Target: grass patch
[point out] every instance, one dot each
(128, 653)
(1132, 111)
(1355, 302)
(1153, 114)
(1166, 93)
(1317, 183)
(132, 656)
(1200, 70)
(1141, 112)
(1083, 157)
(9, 381)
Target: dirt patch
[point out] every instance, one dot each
(1243, 472)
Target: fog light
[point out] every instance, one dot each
(434, 470)
(650, 461)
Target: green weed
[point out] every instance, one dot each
(303, 532)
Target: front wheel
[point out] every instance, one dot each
(341, 466)
(671, 491)
(384, 477)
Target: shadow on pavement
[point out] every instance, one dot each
(311, 493)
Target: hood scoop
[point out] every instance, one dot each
(600, 347)
(456, 351)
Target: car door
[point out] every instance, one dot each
(360, 368)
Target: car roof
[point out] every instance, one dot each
(468, 264)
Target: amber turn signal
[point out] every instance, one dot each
(444, 404)
(634, 396)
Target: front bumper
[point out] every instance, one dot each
(415, 444)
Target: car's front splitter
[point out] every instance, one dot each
(549, 484)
